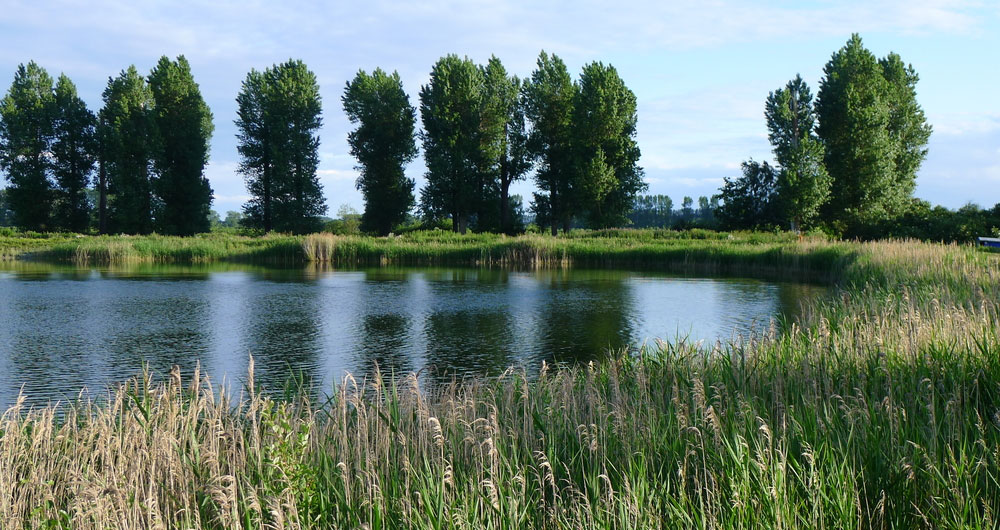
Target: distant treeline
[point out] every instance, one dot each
(845, 163)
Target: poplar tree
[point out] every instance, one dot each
(128, 143)
(256, 162)
(874, 133)
(506, 141)
(803, 184)
(25, 140)
(383, 143)
(74, 152)
(548, 105)
(279, 118)
(451, 112)
(606, 153)
(184, 124)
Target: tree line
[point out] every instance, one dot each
(483, 130)
(845, 161)
(149, 144)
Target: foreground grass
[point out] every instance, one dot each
(880, 408)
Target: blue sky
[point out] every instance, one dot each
(700, 69)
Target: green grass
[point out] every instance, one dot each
(694, 251)
(878, 408)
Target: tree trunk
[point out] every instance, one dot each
(267, 184)
(505, 208)
(102, 201)
(462, 224)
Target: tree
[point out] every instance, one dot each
(128, 142)
(505, 139)
(451, 111)
(803, 184)
(548, 105)
(383, 143)
(278, 119)
(73, 154)
(184, 124)
(606, 153)
(748, 201)
(25, 140)
(908, 127)
(687, 208)
(873, 131)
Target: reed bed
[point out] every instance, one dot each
(695, 251)
(878, 408)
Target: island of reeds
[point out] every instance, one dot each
(878, 408)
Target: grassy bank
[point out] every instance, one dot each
(700, 251)
(879, 409)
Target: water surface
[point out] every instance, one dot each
(63, 329)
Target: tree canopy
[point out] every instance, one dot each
(278, 121)
(184, 126)
(383, 143)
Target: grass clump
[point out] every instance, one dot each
(879, 408)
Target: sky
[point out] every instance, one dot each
(700, 70)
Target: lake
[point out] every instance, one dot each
(64, 328)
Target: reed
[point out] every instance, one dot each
(878, 408)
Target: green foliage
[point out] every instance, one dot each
(548, 104)
(803, 184)
(128, 144)
(74, 153)
(921, 221)
(451, 109)
(278, 120)
(184, 126)
(507, 157)
(749, 201)
(606, 153)
(874, 133)
(383, 143)
(25, 140)
(348, 223)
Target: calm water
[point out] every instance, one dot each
(63, 329)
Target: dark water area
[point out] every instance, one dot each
(64, 329)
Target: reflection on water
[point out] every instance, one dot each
(63, 329)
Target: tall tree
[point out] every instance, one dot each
(128, 142)
(25, 140)
(607, 155)
(383, 143)
(548, 105)
(873, 131)
(451, 111)
(279, 117)
(506, 144)
(256, 163)
(74, 152)
(185, 127)
(803, 184)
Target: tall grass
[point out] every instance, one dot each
(879, 408)
(692, 250)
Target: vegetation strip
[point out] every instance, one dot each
(880, 407)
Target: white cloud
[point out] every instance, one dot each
(337, 174)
